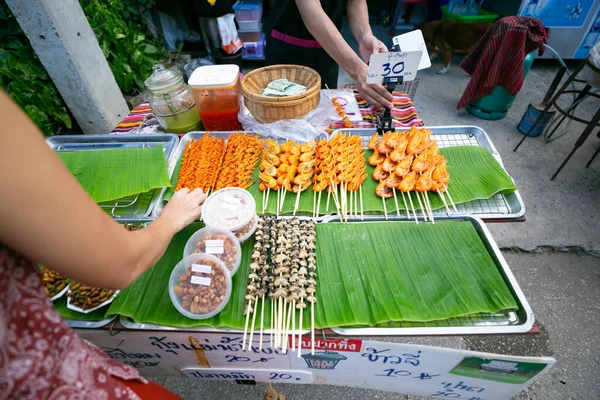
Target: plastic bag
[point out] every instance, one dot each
(230, 42)
(463, 7)
(592, 77)
(306, 129)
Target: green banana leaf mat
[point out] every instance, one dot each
(400, 272)
(113, 174)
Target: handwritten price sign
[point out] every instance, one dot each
(383, 65)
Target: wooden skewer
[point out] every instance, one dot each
(396, 201)
(297, 199)
(294, 325)
(282, 200)
(451, 201)
(278, 199)
(287, 328)
(413, 207)
(335, 199)
(444, 201)
(271, 336)
(267, 202)
(300, 333)
(328, 197)
(405, 205)
(384, 208)
(262, 321)
(421, 205)
(263, 202)
(246, 326)
(280, 323)
(312, 328)
(319, 205)
(428, 205)
(314, 203)
(361, 204)
(253, 322)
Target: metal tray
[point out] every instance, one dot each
(500, 207)
(520, 321)
(104, 322)
(178, 153)
(137, 206)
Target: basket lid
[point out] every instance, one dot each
(214, 76)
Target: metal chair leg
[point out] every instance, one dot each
(592, 159)
(580, 96)
(584, 135)
(551, 103)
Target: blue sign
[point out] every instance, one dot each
(558, 13)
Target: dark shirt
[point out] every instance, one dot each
(286, 18)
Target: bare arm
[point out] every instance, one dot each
(323, 29)
(358, 20)
(47, 216)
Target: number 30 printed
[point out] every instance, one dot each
(396, 69)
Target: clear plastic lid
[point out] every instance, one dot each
(229, 208)
(200, 286)
(163, 79)
(217, 242)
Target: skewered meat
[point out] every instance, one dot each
(421, 163)
(383, 191)
(388, 165)
(379, 174)
(376, 158)
(374, 141)
(392, 181)
(403, 166)
(408, 182)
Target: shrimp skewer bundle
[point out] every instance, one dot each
(240, 159)
(409, 161)
(303, 179)
(200, 163)
(319, 181)
(268, 171)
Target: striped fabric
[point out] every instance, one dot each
(404, 113)
(497, 58)
(134, 119)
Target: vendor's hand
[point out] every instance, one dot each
(368, 45)
(374, 94)
(184, 208)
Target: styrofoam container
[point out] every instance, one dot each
(248, 10)
(229, 208)
(201, 272)
(220, 243)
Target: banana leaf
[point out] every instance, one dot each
(402, 271)
(425, 272)
(112, 174)
(474, 174)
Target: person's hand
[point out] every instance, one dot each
(374, 94)
(184, 208)
(368, 45)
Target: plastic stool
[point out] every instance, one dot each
(495, 105)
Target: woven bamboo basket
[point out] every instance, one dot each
(270, 109)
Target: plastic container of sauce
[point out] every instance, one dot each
(216, 89)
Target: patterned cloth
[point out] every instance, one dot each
(41, 357)
(497, 58)
(404, 113)
(134, 119)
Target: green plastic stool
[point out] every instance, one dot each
(495, 105)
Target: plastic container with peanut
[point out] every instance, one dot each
(220, 243)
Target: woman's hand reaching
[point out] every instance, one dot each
(368, 45)
(183, 208)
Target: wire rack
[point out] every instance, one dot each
(410, 88)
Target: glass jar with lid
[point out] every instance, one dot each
(172, 101)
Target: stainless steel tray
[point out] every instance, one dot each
(178, 153)
(501, 207)
(98, 324)
(520, 321)
(137, 206)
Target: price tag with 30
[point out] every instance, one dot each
(395, 64)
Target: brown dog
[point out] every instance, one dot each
(448, 37)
